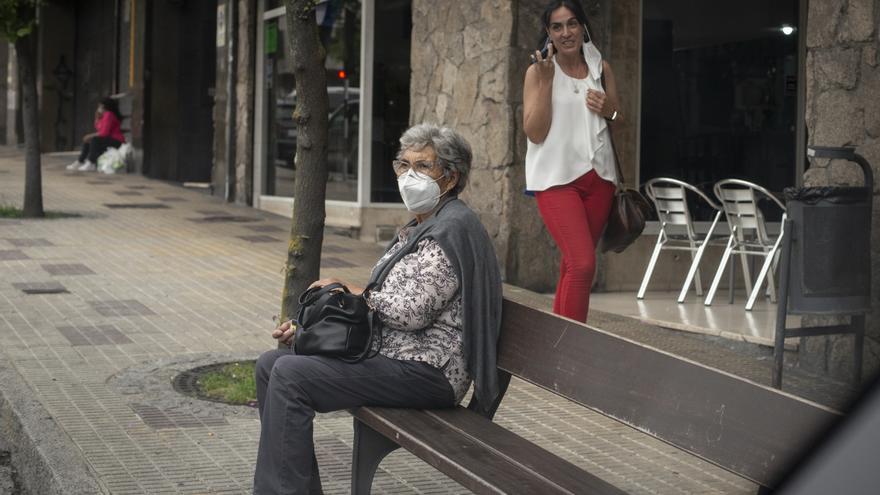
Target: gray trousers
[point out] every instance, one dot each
(291, 388)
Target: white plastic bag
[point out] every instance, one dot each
(127, 153)
(111, 161)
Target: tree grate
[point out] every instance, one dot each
(187, 382)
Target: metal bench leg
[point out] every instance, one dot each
(656, 254)
(718, 273)
(370, 447)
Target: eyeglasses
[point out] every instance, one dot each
(572, 24)
(421, 166)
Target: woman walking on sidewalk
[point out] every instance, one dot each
(108, 134)
(570, 162)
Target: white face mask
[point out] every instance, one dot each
(420, 192)
(592, 56)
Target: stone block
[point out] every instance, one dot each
(869, 56)
(839, 118)
(840, 357)
(835, 67)
(869, 90)
(823, 18)
(846, 173)
(817, 176)
(858, 21)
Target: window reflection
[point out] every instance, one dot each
(339, 29)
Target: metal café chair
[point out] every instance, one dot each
(748, 236)
(677, 229)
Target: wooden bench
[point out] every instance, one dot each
(750, 430)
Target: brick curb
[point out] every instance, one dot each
(47, 461)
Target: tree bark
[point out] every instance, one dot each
(307, 225)
(33, 182)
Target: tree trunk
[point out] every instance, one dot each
(33, 182)
(307, 226)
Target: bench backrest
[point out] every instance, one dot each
(751, 430)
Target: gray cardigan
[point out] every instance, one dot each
(464, 240)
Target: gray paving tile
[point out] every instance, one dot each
(127, 193)
(331, 262)
(170, 199)
(36, 242)
(121, 307)
(258, 238)
(67, 269)
(264, 228)
(13, 254)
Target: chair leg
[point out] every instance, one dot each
(695, 265)
(661, 237)
(765, 268)
(718, 273)
(370, 447)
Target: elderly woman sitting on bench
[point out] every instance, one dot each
(438, 296)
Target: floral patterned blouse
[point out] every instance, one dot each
(420, 307)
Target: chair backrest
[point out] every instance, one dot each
(739, 199)
(670, 200)
(746, 428)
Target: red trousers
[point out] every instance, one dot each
(575, 214)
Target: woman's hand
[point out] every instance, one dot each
(544, 65)
(597, 101)
(284, 332)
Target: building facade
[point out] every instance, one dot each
(732, 88)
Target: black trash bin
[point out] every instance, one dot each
(826, 258)
(831, 250)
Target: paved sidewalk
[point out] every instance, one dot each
(184, 280)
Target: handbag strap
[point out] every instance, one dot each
(620, 179)
(311, 295)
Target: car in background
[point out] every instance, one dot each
(344, 105)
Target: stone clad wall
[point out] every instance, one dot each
(843, 109)
(467, 73)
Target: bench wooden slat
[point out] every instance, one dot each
(751, 430)
(482, 456)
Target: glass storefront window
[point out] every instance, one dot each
(719, 92)
(339, 24)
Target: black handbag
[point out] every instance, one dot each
(332, 321)
(629, 210)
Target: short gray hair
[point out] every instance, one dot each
(453, 151)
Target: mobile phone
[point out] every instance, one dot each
(544, 50)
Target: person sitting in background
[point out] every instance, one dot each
(108, 134)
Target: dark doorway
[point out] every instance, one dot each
(179, 73)
(92, 63)
(719, 91)
(391, 77)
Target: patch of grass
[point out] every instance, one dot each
(7, 211)
(233, 383)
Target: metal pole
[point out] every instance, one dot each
(782, 306)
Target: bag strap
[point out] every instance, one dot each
(620, 179)
(311, 295)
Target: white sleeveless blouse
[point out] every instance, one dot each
(578, 140)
